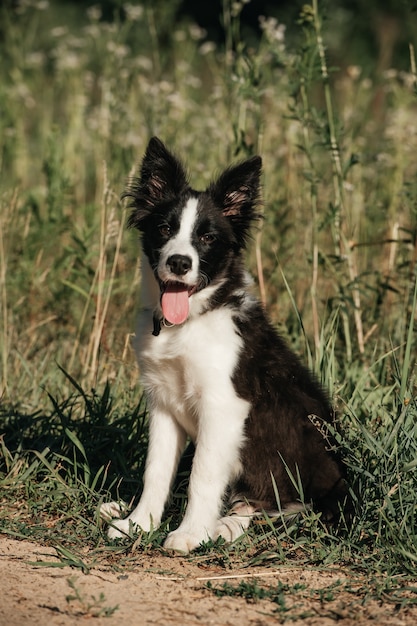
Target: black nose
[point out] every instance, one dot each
(179, 264)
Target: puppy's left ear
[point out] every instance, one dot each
(236, 193)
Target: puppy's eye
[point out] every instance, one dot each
(207, 238)
(165, 230)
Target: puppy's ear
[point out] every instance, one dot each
(236, 194)
(162, 179)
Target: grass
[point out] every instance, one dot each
(335, 263)
(87, 606)
(300, 601)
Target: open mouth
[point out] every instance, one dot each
(174, 301)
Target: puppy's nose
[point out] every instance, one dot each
(179, 264)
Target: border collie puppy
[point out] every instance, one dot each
(215, 370)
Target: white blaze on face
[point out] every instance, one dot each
(174, 299)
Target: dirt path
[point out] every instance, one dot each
(164, 591)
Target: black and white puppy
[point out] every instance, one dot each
(215, 370)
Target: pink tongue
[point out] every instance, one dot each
(174, 303)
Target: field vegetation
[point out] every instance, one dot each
(335, 259)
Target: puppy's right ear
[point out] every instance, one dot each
(162, 179)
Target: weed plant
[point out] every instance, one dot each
(88, 606)
(335, 260)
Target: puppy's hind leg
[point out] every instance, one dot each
(112, 510)
(233, 525)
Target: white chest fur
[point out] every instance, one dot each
(187, 369)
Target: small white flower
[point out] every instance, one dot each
(42, 5)
(408, 79)
(118, 50)
(180, 35)
(94, 13)
(35, 59)
(274, 32)
(59, 31)
(93, 30)
(354, 71)
(196, 32)
(133, 12)
(68, 61)
(165, 86)
(207, 48)
(143, 63)
(390, 74)
(193, 81)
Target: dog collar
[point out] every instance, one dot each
(157, 321)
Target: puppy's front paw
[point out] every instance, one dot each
(180, 541)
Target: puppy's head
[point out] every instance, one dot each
(190, 236)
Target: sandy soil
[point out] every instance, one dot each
(163, 590)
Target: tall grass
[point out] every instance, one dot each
(335, 259)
